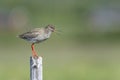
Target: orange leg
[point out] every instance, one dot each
(34, 54)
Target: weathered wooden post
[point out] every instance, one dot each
(36, 68)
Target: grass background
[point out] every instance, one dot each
(77, 53)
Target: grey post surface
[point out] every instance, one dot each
(36, 68)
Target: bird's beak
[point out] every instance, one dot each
(57, 31)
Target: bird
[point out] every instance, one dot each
(37, 35)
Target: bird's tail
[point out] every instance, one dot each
(19, 36)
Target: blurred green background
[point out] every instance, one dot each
(87, 48)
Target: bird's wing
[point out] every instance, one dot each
(29, 35)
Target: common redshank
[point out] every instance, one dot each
(37, 35)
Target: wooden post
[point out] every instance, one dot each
(36, 68)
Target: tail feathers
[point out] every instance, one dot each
(21, 36)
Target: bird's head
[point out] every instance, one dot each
(50, 27)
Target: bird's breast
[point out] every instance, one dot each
(41, 37)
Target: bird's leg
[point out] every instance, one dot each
(34, 54)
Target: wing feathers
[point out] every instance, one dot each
(29, 35)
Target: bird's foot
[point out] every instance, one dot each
(35, 55)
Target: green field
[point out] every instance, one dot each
(63, 58)
(81, 51)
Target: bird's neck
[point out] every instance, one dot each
(47, 33)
